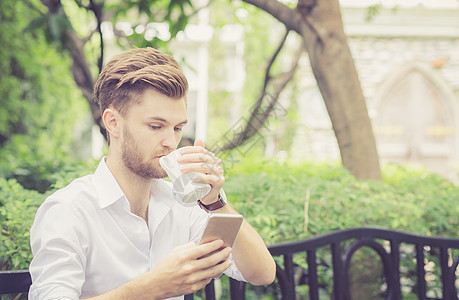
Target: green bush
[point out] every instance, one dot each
(17, 210)
(290, 202)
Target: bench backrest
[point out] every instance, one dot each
(344, 244)
(14, 282)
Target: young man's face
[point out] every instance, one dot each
(151, 129)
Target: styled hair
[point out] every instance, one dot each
(129, 74)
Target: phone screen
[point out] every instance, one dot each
(222, 226)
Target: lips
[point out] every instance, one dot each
(161, 155)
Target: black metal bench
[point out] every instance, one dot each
(386, 243)
(14, 282)
(343, 245)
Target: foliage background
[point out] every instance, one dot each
(39, 102)
(275, 194)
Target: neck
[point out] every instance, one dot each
(136, 188)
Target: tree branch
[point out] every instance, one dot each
(80, 67)
(268, 77)
(259, 116)
(273, 59)
(86, 39)
(196, 11)
(97, 9)
(288, 16)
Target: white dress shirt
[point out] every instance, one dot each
(86, 241)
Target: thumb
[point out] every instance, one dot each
(199, 142)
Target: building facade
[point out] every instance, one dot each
(407, 59)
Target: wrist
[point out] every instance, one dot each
(220, 202)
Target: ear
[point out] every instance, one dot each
(111, 119)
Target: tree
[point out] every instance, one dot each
(62, 30)
(317, 22)
(321, 29)
(39, 103)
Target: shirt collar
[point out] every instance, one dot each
(107, 188)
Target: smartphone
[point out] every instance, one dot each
(222, 226)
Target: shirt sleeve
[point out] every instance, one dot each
(198, 219)
(59, 242)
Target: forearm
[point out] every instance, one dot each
(120, 293)
(134, 289)
(250, 253)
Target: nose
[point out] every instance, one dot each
(169, 139)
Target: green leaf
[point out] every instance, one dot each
(36, 23)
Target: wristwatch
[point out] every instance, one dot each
(217, 204)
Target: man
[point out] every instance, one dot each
(119, 233)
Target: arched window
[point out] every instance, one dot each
(416, 119)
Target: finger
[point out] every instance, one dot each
(191, 149)
(205, 169)
(194, 285)
(206, 248)
(186, 251)
(216, 270)
(196, 154)
(198, 284)
(199, 142)
(214, 258)
(210, 271)
(199, 157)
(215, 181)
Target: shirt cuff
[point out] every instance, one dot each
(53, 292)
(233, 271)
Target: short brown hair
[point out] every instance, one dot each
(132, 72)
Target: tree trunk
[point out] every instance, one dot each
(80, 68)
(320, 26)
(337, 78)
(82, 75)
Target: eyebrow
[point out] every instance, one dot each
(159, 119)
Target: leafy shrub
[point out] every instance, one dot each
(289, 202)
(17, 210)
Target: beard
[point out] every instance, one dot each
(132, 159)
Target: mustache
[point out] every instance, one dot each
(166, 152)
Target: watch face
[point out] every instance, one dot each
(222, 196)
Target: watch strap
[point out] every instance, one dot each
(213, 206)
